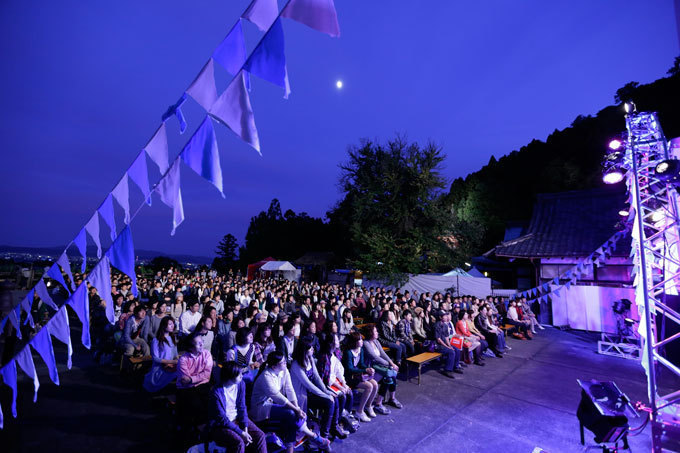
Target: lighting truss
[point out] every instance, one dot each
(656, 242)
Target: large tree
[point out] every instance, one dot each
(393, 218)
(226, 252)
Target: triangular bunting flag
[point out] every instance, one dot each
(122, 256)
(233, 109)
(44, 295)
(157, 149)
(231, 53)
(59, 328)
(262, 13)
(66, 267)
(25, 361)
(54, 273)
(176, 110)
(202, 89)
(268, 60)
(15, 318)
(27, 306)
(42, 343)
(106, 211)
(568, 284)
(80, 303)
(100, 278)
(9, 377)
(81, 244)
(139, 174)
(556, 281)
(171, 194)
(556, 292)
(92, 228)
(317, 14)
(202, 156)
(122, 195)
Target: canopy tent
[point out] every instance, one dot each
(284, 268)
(459, 271)
(252, 268)
(457, 285)
(474, 272)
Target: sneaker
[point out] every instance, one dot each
(508, 348)
(448, 374)
(395, 403)
(369, 411)
(541, 327)
(458, 371)
(364, 418)
(382, 410)
(339, 433)
(479, 363)
(322, 443)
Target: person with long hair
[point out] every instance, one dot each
(360, 376)
(332, 374)
(204, 328)
(310, 389)
(385, 371)
(474, 345)
(274, 405)
(244, 353)
(309, 332)
(264, 343)
(164, 356)
(346, 324)
(229, 424)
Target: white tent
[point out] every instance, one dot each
(457, 284)
(284, 268)
(458, 271)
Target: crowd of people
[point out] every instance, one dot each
(301, 360)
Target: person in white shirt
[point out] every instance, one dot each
(189, 319)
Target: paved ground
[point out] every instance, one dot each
(527, 399)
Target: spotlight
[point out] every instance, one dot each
(629, 107)
(603, 411)
(612, 176)
(48, 284)
(624, 213)
(668, 171)
(657, 216)
(615, 144)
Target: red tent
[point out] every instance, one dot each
(252, 268)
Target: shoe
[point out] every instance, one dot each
(382, 410)
(498, 354)
(370, 412)
(339, 433)
(395, 403)
(458, 371)
(364, 418)
(479, 363)
(448, 374)
(533, 332)
(507, 348)
(322, 443)
(349, 425)
(541, 327)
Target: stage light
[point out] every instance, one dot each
(468, 264)
(603, 411)
(629, 107)
(668, 171)
(613, 176)
(624, 213)
(657, 216)
(48, 284)
(615, 144)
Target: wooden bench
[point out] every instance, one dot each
(133, 364)
(420, 360)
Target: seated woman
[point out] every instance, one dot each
(333, 376)
(153, 323)
(264, 343)
(204, 330)
(359, 376)
(463, 330)
(405, 332)
(309, 332)
(195, 368)
(385, 370)
(164, 354)
(229, 424)
(346, 324)
(244, 353)
(419, 333)
(287, 342)
(388, 336)
(513, 319)
(223, 338)
(274, 405)
(310, 390)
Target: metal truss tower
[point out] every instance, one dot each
(656, 241)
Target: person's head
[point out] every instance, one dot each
(166, 329)
(289, 328)
(196, 344)
(354, 340)
(309, 327)
(194, 306)
(304, 351)
(139, 312)
(161, 308)
(210, 311)
(329, 344)
(276, 361)
(407, 315)
(230, 373)
(347, 316)
(484, 310)
(264, 333)
(370, 332)
(179, 296)
(462, 315)
(244, 336)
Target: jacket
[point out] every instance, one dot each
(218, 407)
(270, 388)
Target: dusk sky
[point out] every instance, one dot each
(85, 85)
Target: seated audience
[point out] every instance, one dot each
(164, 355)
(360, 376)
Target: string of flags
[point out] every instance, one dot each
(555, 286)
(231, 108)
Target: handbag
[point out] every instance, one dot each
(457, 342)
(385, 371)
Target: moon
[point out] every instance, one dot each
(338, 84)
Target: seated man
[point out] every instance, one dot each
(230, 426)
(443, 332)
(132, 340)
(194, 368)
(405, 332)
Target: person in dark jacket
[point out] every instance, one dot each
(229, 422)
(387, 335)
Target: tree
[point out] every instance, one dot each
(226, 254)
(393, 215)
(675, 70)
(626, 92)
(161, 263)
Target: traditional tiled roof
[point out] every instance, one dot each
(570, 224)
